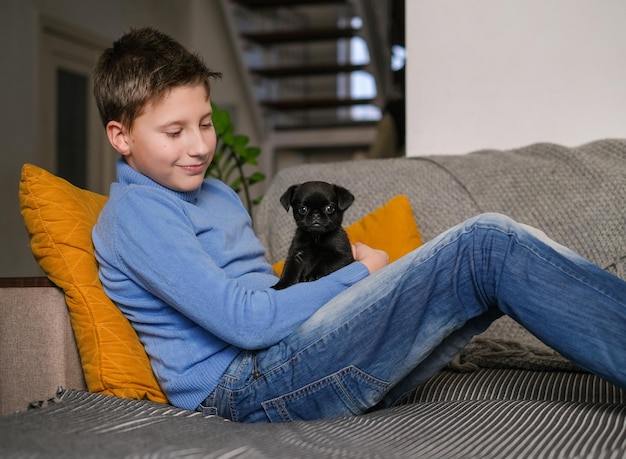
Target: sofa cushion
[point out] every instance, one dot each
(391, 228)
(516, 384)
(59, 218)
(81, 424)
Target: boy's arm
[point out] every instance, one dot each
(166, 259)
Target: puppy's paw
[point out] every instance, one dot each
(280, 285)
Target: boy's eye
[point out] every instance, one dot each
(206, 125)
(302, 210)
(173, 133)
(329, 209)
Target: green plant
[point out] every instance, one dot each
(232, 155)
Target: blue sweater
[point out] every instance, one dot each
(191, 276)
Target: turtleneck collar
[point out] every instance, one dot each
(126, 175)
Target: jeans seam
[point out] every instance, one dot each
(562, 269)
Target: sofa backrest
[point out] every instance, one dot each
(373, 183)
(574, 194)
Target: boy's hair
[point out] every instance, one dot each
(140, 67)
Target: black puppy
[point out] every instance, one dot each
(320, 245)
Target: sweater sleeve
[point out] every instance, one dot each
(155, 247)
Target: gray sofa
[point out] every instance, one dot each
(505, 395)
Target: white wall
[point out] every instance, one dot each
(196, 23)
(503, 74)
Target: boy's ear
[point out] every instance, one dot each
(117, 137)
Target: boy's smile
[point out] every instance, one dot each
(173, 140)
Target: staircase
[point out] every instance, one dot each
(299, 59)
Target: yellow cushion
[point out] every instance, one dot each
(59, 218)
(391, 228)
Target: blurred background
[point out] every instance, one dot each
(317, 80)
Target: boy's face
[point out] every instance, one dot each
(172, 141)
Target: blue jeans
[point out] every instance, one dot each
(390, 332)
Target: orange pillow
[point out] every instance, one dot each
(391, 228)
(59, 218)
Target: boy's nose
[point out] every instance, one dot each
(201, 144)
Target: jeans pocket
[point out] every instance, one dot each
(347, 392)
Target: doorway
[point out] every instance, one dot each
(73, 144)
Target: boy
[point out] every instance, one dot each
(178, 255)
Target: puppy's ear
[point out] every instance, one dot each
(344, 197)
(285, 199)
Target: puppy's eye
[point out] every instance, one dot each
(329, 209)
(302, 210)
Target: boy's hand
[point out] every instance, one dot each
(373, 259)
